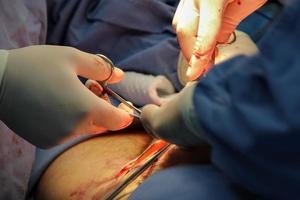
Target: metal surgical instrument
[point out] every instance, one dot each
(137, 114)
(115, 192)
(107, 90)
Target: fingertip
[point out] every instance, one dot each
(125, 120)
(117, 76)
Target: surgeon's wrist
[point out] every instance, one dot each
(189, 117)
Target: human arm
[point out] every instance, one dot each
(175, 121)
(43, 100)
(248, 109)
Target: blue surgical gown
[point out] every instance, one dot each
(249, 109)
(136, 34)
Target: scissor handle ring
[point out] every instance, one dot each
(111, 64)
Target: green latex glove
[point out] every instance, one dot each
(43, 100)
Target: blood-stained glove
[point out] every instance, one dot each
(43, 100)
(175, 121)
(202, 24)
(243, 45)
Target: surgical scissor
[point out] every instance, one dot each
(137, 113)
(106, 90)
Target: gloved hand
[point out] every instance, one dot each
(202, 24)
(43, 100)
(243, 45)
(175, 121)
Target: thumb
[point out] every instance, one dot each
(110, 117)
(104, 114)
(93, 67)
(100, 114)
(210, 21)
(186, 22)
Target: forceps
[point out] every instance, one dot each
(106, 90)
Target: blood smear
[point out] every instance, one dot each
(141, 159)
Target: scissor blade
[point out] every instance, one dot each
(135, 115)
(119, 98)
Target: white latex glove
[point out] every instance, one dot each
(243, 45)
(43, 100)
(174, 121)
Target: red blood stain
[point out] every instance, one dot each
(150, 151)
(80, 192)
(239, 2)
(109, 183)
(197, 54)
(149, 171)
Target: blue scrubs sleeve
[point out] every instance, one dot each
(249, 108)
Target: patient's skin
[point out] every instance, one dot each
(78, 172)
(87, 170)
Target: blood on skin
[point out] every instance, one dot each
(110, 182)
(197, 54)
(172, 157)
(148, 153)
(149, 171)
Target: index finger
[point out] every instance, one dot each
(93, 67)
(210, 21)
